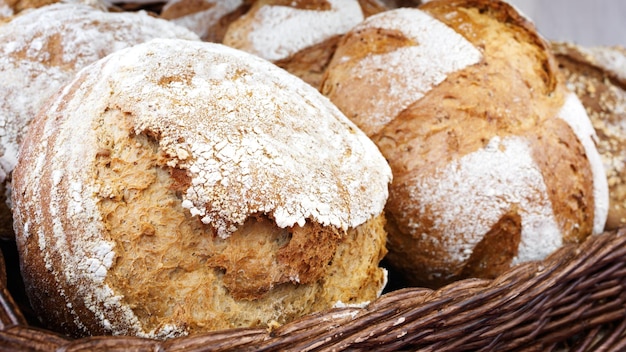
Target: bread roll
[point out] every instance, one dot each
(494, 160)
(299, 36)
(598, 77)
(41, 50)
(177, 187)
(209, 19)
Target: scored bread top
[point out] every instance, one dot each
(466, 133)
(275, 30)
(404, 70)
(41, 50)
(250, 138)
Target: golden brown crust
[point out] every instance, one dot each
(453, 13)
(509, 97)
(299, 36)
(120, 242)
(42, 49)
(601, 88)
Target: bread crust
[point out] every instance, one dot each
(209, 19)
(464, 99)
(299, 36)
(182, 187)
(598, 77)
(41, 51)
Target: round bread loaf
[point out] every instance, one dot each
(209, 19)
(494, 160)
(598, 77)
(180, 186)
(9, 8)
(299, 36)
(41, 50)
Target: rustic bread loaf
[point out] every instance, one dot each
(209, 19)
(41, 50)
(9, 8)
(299, 36)
(493, 158)
(598, 77)
(178, 186)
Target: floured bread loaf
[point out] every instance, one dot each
(209, 19)
(179, 186)
(494, 160)
(42, 49)
(9, 8)
(598, 77)
(299, 36)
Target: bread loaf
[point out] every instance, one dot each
(177, 187)
(209, 19)
(9, 8)
(598, 77)
(494, 160)
(299, 36)
(41, 50)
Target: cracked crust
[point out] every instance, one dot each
(124, 226)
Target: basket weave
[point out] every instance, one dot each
(575, 300)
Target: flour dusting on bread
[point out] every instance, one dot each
(406, 73)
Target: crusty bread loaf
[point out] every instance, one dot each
(42, 49)
(299, 36)
(178, 186)
(493, 159)
(598, 76)
(209, 19)
(9, 8)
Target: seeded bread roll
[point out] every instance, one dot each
(209, 19)
(494, 160)
(299, 36)
(41, 50)
(178, 187)
(598, 77)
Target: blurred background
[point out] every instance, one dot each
(584, 22)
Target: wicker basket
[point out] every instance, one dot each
(575, 300)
